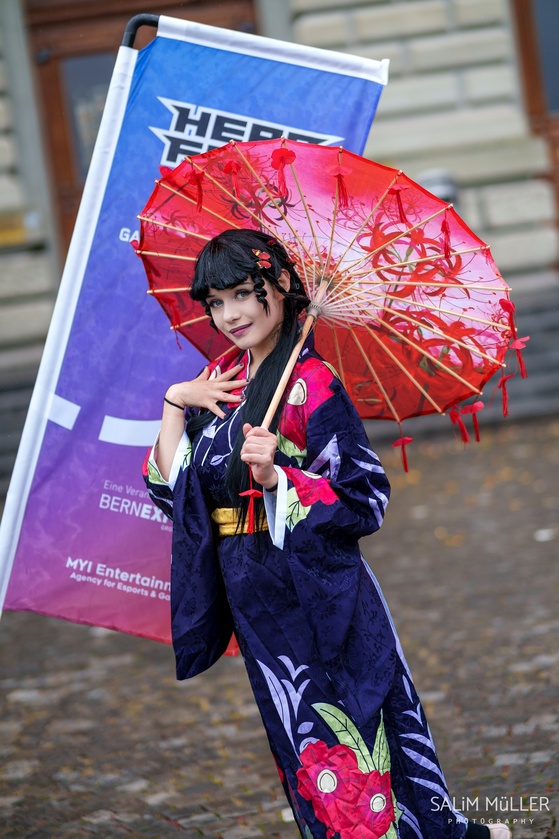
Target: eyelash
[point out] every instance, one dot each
(242, 293)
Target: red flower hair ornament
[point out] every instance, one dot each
(262, 259)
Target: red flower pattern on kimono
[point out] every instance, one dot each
(331, 780)
(310, 489)
(352, 803)
(294, 418)
(280, 771)
(374, 809)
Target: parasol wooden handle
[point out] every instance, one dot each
(272, 407)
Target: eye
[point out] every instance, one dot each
(214, 303)
(242, 293)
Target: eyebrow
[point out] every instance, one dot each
(218, 290)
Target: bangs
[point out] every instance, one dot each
(239, 255)
(222, 264)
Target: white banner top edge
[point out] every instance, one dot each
(274, 50)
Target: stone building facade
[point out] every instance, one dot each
(454, 103)
(28, 262)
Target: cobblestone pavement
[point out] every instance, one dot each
(98, 739)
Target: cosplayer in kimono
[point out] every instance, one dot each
(283, 570)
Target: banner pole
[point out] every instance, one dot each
(134, 24)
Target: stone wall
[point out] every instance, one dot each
(453, 102)
(27, 273)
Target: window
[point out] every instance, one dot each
(74, 44)
(537, 29)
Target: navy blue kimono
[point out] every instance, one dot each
(344, 722)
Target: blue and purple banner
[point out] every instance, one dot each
(80, 539)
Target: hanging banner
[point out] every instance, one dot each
(80, 538)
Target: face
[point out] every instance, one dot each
(238, 313)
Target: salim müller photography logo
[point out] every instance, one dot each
(503, 809)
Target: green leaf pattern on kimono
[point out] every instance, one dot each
(381, 752)
(288, 448)
(154, 475)
(391, 832)
(187, 456)
(381, 762)
(295, 510)
(348, 735)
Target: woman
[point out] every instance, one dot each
(284, 571)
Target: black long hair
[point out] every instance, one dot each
(225, 262)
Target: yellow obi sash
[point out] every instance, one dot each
(227, 519)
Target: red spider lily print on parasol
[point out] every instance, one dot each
(406, 301)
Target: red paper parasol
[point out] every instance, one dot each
(411, 309)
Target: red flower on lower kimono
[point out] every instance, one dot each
(352, 803)
(373, 809)
(331, 780)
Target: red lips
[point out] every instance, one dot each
(239, 329)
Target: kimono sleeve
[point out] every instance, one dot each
(160, 490)
(201, 621)
(339, 487)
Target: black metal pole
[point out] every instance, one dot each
(134, 24)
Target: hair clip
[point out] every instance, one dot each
(262, 259)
